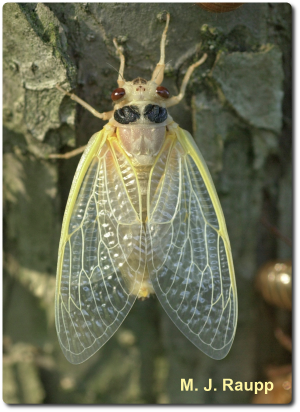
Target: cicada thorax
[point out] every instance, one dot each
(136, 150)
(141, 142)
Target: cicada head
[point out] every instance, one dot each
(139, 91)
(140, 101)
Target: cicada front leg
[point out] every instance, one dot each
(103, 116)
(176, 99)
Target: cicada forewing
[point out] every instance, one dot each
(189, 257)
(101, 252)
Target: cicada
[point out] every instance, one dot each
(143, 217)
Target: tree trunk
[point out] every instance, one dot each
(238, 108)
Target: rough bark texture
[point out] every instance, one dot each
(238, 106)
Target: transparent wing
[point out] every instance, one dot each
(101, 253)
(189, 256)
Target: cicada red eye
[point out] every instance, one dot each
(163, 92)
(117, 94)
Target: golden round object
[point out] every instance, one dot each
(274, 281)
(219, 7)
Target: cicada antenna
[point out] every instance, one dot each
(116, 71)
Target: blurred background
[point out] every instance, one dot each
(238, 108)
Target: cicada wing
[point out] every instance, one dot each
(189, 256)
(101, 254)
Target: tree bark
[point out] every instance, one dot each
(238, 107)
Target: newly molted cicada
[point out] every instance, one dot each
(143, 217)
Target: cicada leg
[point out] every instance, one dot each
(158, 74)
(68, 155)
(120, 80)
(176, 99)
(103, 116)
